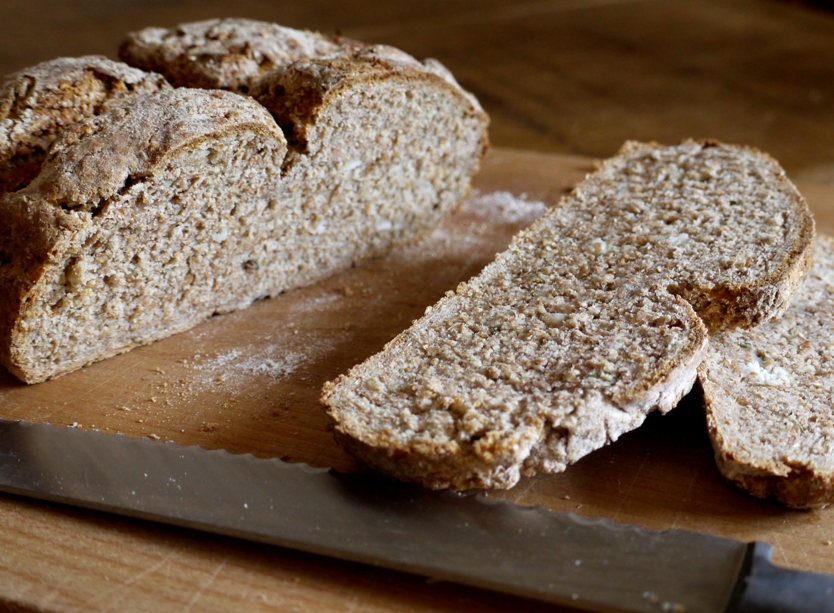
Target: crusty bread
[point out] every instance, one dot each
(235, 54)
(768, 394)
(222, 53)
(585, 324)
(157, 214)
(38, 102)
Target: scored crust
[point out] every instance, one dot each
(222, 53)
(767, 394)
(235, 54)
(38, 102)
(580, 328)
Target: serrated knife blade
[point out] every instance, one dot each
(561, 558)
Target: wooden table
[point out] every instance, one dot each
(568, 76)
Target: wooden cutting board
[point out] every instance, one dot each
(249, 382)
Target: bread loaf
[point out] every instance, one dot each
(594, 316)
(768, 394)
(176, 205)
(39, 102)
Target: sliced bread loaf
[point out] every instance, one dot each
(158, 213)
(592, 318)
(768, 395)
(38, 102)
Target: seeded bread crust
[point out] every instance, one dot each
(222, 53)
(581, 327)
(38, 102)
(767, 394)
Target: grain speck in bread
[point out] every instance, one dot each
(768, 394)
(38, 102)
(595, 316)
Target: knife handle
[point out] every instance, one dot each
(765, 588)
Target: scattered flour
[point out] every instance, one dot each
(504, 206)
(273, 367)
(244, 365)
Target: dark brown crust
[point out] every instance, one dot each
(229, 54)
(39, 102)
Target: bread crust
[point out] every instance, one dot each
(37, 103)
(222, 53)
(582, 327)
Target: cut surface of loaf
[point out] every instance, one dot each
(768, 396)
(109, 250)
(593, 317)
(38, 102)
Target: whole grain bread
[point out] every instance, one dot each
(157, 214)
(235, 54)
(222, 53)
(38, 102)
(593, 317)
(768, 392)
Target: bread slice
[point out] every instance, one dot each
(593, 317)
(38, 102)
(768, 394)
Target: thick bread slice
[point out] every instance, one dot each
(575, 332)
(38, 102)
(768, 395)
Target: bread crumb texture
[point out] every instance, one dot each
(768, 396)
(174, 205)
(589, 321)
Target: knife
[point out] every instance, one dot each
(588, 564)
